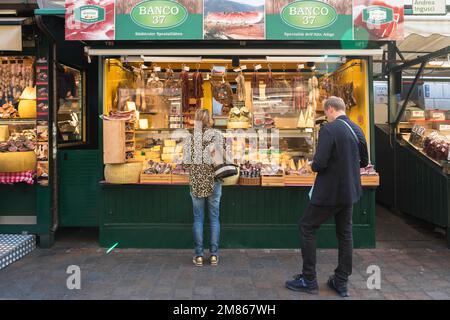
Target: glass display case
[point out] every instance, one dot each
(71, 106)
(270, 118)
(18, 137)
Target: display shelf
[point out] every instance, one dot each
(420, 150)
(14, 121)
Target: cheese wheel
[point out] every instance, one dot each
(123, 173)
(168, 150)
(170, 143)
(17, 161)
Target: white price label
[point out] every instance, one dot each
(157, 69)
(301, 66)
(418, 114)
(244, 67)
(444, 127)
(186, 68)
(258, 66)
(308, 130)
(237, 69)
(438, 115)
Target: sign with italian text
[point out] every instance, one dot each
(429, 7)
(234, 20)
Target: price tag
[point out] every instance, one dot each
(444, 127)
(258, 66)
(186, 68)
(301, 66)
(237, 69)
(439, 115)
(418, 114)
(157, 69)
(244, 67)
(308, 130)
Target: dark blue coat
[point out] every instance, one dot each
(337, 161)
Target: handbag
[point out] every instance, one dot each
(225, 170)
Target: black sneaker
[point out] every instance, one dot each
(303, 285)
(340, 288)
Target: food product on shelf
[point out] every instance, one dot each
(250, 170)
(170, 143)
(119, 115)
(368, 171)
(8, 111)
(300, 92)
(303, 167)
(25, 141)
(436, 146)
(271, 170)
(239, 115)
(197, 81)
(180, 169)
(255, 84)
(157, 168)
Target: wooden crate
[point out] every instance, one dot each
(272, 181)
(249, 181)
(113, 141)
(370, 180)
(299, 180)
(156, 178)
(180, 179)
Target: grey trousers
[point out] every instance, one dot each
(313, 218)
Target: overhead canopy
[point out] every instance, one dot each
(424, 33)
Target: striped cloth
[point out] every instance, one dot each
(16, 177)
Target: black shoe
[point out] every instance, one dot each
(303, 285)
(340, 288)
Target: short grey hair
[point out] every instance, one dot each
(334, 102)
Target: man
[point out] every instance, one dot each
(341, 152)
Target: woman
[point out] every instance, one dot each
(204, 188)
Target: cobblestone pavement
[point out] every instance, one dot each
(414, 263)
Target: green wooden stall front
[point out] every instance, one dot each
(146, 216)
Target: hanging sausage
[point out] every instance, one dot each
(184, 80)
(240, 80)
(255, 84)
(198, 87)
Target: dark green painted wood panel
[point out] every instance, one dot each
(78, 190)
(423, 189)
(385, 167)
(18, 200)
(251, 217)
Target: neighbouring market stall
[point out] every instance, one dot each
(25, 134)
(156, 69)
(415, 142)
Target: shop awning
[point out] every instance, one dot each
(233, 52)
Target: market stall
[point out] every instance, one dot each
(150, 89)
(415, 141)
(280, 101)
(24, 126)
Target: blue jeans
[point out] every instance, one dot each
(199, 216)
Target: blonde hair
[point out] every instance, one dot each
(202, 115)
